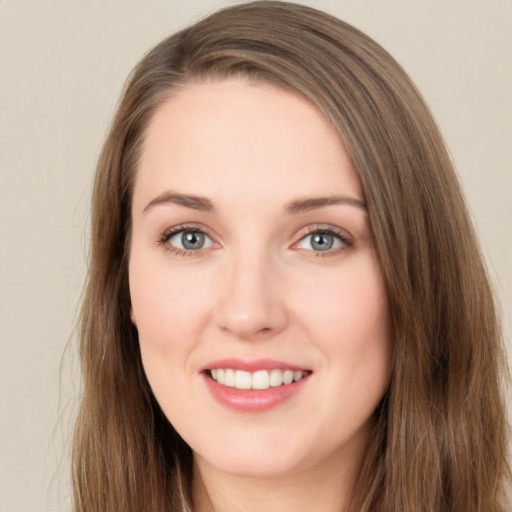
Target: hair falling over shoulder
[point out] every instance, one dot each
(440, 437)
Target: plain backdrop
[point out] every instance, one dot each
(62, 68)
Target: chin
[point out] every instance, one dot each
(278, 454)
(245, 466)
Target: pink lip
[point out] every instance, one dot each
(252, 400)
(252, 365)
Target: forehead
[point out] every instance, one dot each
(233, 138)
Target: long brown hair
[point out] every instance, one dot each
(439, 442)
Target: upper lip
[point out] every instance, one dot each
(251, 365)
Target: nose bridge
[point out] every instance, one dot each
(250, 303)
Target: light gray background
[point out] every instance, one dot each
(62, 68)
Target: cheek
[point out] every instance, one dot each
(349, 322)
(166, 312)
(349, 308)
(171, 312)
(166, 305)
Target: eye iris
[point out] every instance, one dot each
(192, 240)
(322, 241)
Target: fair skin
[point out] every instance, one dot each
(251, 253)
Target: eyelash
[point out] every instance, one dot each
(169, 233)
(327, 229)
(322, 229)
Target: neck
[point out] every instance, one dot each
(325, 489)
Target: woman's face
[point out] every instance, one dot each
(256, 289)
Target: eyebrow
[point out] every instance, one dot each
(294, 207)
(189, 201)
(312, 203)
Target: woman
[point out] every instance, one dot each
(286, 304)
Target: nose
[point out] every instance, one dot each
(250, 302)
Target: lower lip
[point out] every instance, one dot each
(253, 400)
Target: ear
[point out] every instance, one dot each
(132, 317)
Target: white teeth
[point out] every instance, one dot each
(276, 378)
(243, 380)
(287, 377)
(229, 378)
(261, 379)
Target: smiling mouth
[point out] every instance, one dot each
(259, 380)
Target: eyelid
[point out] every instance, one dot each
(164, 238)
(340, 234)
(174, 240)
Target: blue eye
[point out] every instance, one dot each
(190, 240)
(320, 241)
